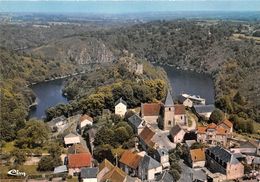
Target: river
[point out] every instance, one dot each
(50, 93)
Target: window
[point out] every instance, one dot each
(169, 109)
(169, 122)
(181, 117)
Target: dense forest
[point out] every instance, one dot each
(32, 54)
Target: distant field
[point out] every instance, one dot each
(237, 36)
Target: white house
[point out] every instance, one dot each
(85, 120)
(180, 115)
(89, 174)
(71, 139)
(120, 107)
(177, 134)
(149, 168)
(197, 158)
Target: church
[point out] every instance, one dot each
(166, 115)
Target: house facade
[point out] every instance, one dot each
(149, 168)
(177, 134)
(222, 161)
(85, 120)
(78, 161)
(129, 163)
(212, 134)
(120, 107)
(197, 158)
(150, 112)
(180, 115)
(162, 156)
(71, 139)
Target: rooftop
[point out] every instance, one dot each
(175, 130)
(197, 155)
(116, 174)
(168, 100)
(146, 135)
(79, 160)
(227, 123)
(130, 159)
(204, 108)
(120, 101)
(135, 120)
(89, 172)
(149, 163)
(85, 117)
(179, 109)
(150, 109)
(77, 148)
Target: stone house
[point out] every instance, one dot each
(162, 156)
(78, 161)
(204, 110)
(177, 134)
(197, 158)
(85, 120)
(149, 168)
(71, 139)
(223, 161)
(212, 134)
(136, 123)
(146, 137)
(120, 107)
(180, 115)
(129, 162)
(150, 112)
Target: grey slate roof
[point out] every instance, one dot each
(165, 177)
(204, 108)
(181, 98)
(199, 175)
(135, 120)
(89, 172)
(168, 100)
(175, 130)
(162, 151)
(121, 101)
(149, 163)
(223, 155)
(60, 169)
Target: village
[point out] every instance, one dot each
(213, 152)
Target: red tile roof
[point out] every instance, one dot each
(201, 129)
(146, 135)
(212, 126)
(151, 109)
(179, 109)
(114, 175)
(130, 159)
(227, 123)
(79, 160)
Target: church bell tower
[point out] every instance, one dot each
(168, 120)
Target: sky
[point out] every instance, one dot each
(124, 6)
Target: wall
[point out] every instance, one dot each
(120, 109)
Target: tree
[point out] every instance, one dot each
(19, 156)
(121, 135)
(216, 116)
(175, 174)
(238, 98)
(103, 152)
(48, 163)
(54, 150)
(34, 134)
(104, 136)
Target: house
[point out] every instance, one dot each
(177, 134)
(222, 161)
(109, 172)
(71, 139)
(212, 134)
(169, 113)
(180, 115)
(129, 162)
(120, 107)
(146, 137)
(58, 123)
(185, 101)
(199, 175)
(204, 110)
(89, 174)
(77, 149)
(85, 120)
(149, 168)
(136, 123)
(197, 158)
(227, 125)
(165, 176)
(162, 156)
(150, 112)
(78, 161)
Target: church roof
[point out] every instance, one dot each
(168, 100)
